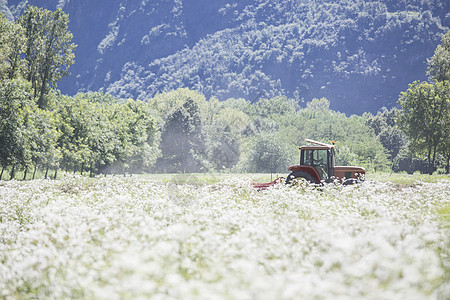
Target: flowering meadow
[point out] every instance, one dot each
(140, 237)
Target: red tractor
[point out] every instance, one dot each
(317, 165)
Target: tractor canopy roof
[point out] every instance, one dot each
(315, 148)
(317, 145)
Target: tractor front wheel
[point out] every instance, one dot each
(299, 175)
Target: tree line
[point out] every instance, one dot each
(182, 131)
(42, 129)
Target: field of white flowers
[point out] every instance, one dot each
(138, 237)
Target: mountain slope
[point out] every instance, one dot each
(358, 54)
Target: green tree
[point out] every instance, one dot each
(103, 135)
(321, 104)
(277, 105)
(138, 134)
(387, 130)
(424, 117)
(12, 39)
(182, 140)
(439, 69)
(48, 49)
(444, 147)
(268, 153)
(76, 119)
(439, 64)
(16, 125)
(407, 161)
(45, 152)
(224, 135)
(97, 130)
(162, 104)
(426, 109)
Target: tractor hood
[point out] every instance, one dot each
(349, 171)
(350, 168)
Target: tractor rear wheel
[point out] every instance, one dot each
(298, 175)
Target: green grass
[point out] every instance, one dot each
(405, 179)
(209, 178)
(212, 178)
(444, 212)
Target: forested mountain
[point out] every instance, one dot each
(358, 54)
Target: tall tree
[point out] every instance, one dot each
(223, 137)
(48, 49)
(182, 140)
(426, 108)
(424, 117)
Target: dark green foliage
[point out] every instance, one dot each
(268, 153)
(48, 51)
(94, 133)
(224, 135)
(385, 126)
(407, 162)
(356, 142)
(45, 152)
(439, 64)
(12, 41)
(426, 110)
(39, 127)
(224, 149)
(104, 136)
(424, 118)
(16, 124)
(182, 140)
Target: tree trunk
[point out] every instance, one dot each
(82, 167)
(41, 101)
(433, 159)
(25, 174)
(447, 168)
(430, 170)
(46, 172)
(12, 172)
(34, 172)
(45, 75)
(56, 173)
(1, 174)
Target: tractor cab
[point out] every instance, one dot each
(321, 158)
